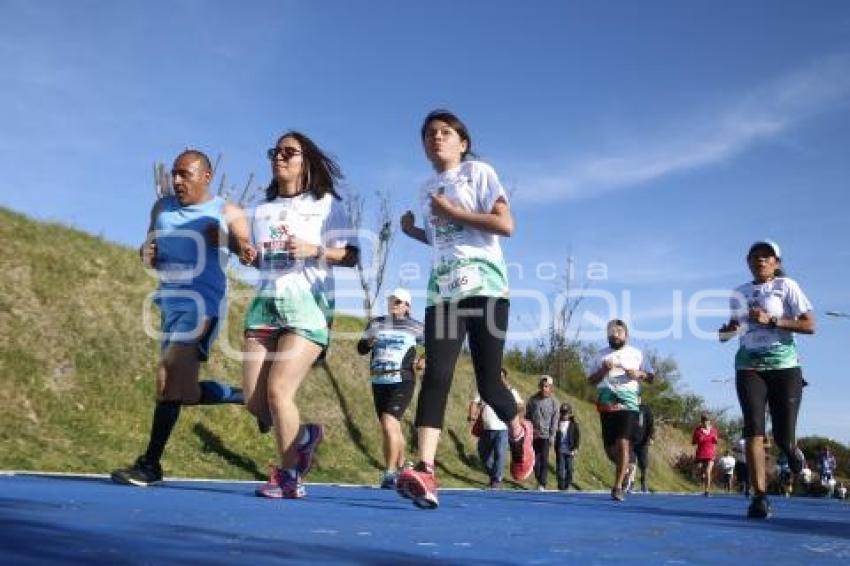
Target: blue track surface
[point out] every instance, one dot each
(90, 520)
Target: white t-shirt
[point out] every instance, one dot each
(466, 261)
(488, 415)
(301, 284)
(727, 464)
(762, 346)
(617, 391)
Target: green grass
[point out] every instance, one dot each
(77, 381)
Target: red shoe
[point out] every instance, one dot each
(420, 485)
(316, 433)
(522, 453)
(282, 485)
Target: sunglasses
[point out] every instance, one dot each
(285, 153)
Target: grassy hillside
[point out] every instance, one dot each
(77, 368)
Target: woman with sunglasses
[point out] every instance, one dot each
(466, 210)
(766, 312)
(300, 232)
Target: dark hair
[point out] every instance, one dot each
(454, 123)
(320, 173)
(617, 322)
(779, 272)
(199, 155)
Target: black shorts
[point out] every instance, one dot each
(617, 425)
(393, 398)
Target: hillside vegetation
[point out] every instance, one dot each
(77, 381)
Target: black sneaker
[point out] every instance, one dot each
(759, 508)
(142, 473)
(263, 426)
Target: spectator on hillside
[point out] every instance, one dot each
(806, 478)
(727, 469)
(826, 469)
(617, 373)
(493, 436)
(183, 246)
(392, 341)
(542, 410)
(826, 464)
(705, 439)
(567, 442)
(644, 437)
(783, 475)
(739, 449)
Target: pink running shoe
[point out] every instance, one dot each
(420, 485)
(307, 450)
(522, 453)
(282, 485)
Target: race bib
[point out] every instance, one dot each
(460, 281)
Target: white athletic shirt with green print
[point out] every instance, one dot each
(617, 391)
(466, 262)
(303, 290)
(762, 347)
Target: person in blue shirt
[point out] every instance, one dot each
(183, 247)
(392, 342)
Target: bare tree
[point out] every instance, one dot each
(372, 261)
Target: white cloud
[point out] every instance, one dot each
(761, 114)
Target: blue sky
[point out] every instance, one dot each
(656, 138)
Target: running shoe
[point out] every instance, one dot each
(759, 508)
(495, 484)
(282, 485)
(142, 473)
(420, 485)
(271, 486)
(400, 489)
(307, 450)
(388, 479)
(617, 494)
(522, 453)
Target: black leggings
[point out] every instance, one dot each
(485, 319)
(782, 390)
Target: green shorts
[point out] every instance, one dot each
(268, 315)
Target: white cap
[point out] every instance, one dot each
(547, 379)
(401, 294)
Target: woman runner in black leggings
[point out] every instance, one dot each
(466, 210)
(765, 313)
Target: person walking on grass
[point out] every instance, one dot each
(705, 438)
(182, 245)
(392, 341)
(766, 312)
(465, 211)
(617, 373)
(493, 437)
(542, 410)
(301, 232)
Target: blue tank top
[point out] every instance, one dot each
(186, 263)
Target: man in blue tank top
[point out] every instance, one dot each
(183, 247)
